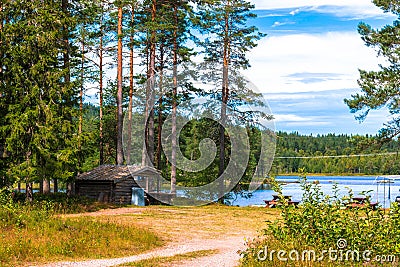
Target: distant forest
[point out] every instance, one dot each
(336, 154)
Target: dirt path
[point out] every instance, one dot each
(226, 255)
(186, 230)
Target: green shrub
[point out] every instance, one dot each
(322, 223)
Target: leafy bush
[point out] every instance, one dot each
(16, 213)
(322, 224)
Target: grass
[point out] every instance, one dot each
(168, 261)
(35, 233)
(72, 239)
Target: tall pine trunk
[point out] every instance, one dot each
(146, 110)
(225, 97)
(174, 104)
(120, 155)
(101, 56)
(131, 47)
(160, 107)
(160, 112)
(148, 153)
(101, 141)
(80, 124)
(152, 77)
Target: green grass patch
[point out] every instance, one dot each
(33, 233)
(167, 261)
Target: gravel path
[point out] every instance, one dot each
(227, 255)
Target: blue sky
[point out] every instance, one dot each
(309, 63)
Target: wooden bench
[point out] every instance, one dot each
(277, 201)
(361, 202)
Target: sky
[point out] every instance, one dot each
(309, 60)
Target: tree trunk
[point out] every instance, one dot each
(55, 185)
(70, 188)
(41, 187)
(129, 140)
(120, 155)
(101, 141)
(160, 112)
(225, 97)
(174, 104)
(29, 192)
(148, 153)
(80, 125)
(152, 77)
(146, 111)
(46, 186)
(160, 102)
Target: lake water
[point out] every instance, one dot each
(384, 193)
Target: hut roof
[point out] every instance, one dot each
(115, 172)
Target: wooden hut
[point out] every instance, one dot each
(111, 183)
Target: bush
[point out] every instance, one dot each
(322, 224)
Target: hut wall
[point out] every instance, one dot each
(99, 190)
(123, 191)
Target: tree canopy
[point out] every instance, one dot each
(381, 88)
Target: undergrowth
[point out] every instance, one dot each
(323, 232)
(34, 233)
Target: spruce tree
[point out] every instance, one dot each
(40, 102)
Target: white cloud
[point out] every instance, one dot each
(278, 23)
(294, 12)
(278, 58)
(290, 118)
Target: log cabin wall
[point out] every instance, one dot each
(101, 191)
(110, 183)
(123, 191)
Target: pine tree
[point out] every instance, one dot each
(381, 88)
(120, 153)
(227, 43)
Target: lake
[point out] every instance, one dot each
(384, 193)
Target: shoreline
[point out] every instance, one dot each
(328, 175)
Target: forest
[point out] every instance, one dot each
(336, 154)
(78, 77)
(81, 82)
